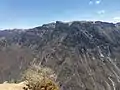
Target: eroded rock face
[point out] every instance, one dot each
(85, 55)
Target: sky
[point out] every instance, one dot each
(31, 13)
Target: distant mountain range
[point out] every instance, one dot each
(85, 55)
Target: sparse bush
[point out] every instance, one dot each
(40, 78)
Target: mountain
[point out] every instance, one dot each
(84, 54)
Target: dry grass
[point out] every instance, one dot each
(40, 78)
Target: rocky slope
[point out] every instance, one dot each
(85, 55)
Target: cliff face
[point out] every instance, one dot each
(85, 55)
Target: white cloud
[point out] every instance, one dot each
(116, 19)
(97, 1)
(91, 2)
(101, 12)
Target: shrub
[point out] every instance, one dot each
(40, 78)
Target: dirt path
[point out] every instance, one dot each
(12, 86)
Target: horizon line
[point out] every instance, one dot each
(15, 28)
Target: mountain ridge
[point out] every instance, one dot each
(84, 55)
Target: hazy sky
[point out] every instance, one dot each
(30, 13)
